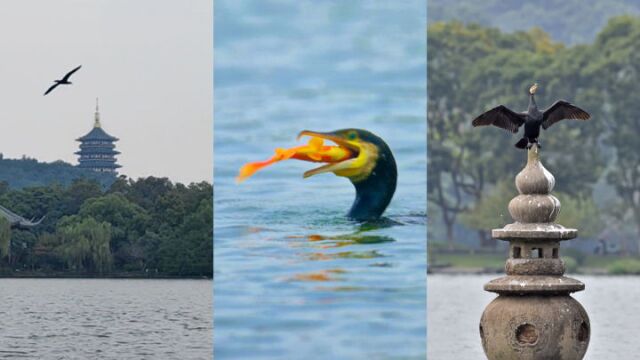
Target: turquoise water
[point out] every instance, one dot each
(293, 277)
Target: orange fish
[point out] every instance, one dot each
(314, 151)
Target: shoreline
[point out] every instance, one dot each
(33, 275)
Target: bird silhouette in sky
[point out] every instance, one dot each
(533, 119)
(63, 81)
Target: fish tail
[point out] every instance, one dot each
(249, 169)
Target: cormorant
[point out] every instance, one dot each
(63, 81)
(372, 170)
(503, 117)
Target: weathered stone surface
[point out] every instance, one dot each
(535, 328)
(539, 266)
(534, 208)
(534, 232)
(534, 284)
(534, 178)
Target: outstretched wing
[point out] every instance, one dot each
(561, 110)
(50, 89)
(66, 77)
(501, 117)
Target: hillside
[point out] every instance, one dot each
(568, 21)
(28, 172)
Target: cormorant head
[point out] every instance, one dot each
(372, 170)
(533, 88)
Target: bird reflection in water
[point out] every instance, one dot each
(361, 236)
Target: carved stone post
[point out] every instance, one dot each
(534, 317)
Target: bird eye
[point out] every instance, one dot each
(352, 135)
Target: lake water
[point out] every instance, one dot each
(456, 303)
(105, 319)
(293, 278)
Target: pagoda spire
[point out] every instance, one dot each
(97, 116)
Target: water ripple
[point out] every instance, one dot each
(105, 319)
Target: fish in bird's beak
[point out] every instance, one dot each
(314, 151)
(347, 142)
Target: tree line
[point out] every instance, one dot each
(472, 68)
(569, 21)
(149, 226)
(26, 171)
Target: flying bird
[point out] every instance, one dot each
(63, 81)
(533, 119)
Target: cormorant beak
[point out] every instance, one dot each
(349, 167)
(533, 88)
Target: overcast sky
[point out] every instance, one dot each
(149, 62)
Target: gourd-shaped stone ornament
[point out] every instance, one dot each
(533, 316)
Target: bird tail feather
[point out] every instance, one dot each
(522, 144)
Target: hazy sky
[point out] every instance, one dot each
(149, 62)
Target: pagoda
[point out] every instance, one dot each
(97, 149)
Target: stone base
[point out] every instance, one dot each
(535, 328)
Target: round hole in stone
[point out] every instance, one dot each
(526, 334)
(583, 332)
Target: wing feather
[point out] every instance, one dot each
(51, 88)
(561, 110)
(66, 77)
(502, 117)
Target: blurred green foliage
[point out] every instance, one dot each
(570, 264)
(569, 21)
(625, 267)
(473, 68)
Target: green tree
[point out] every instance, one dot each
(192, 252)
(472, 69)
(80, 191)
(5, 238)
(491, 211)
(617, 65)
(128, 221)
(582, 213)
(84, 244)
(153, 224)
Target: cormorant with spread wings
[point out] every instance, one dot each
(533, 119)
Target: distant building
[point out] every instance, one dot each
(97, 149)
(17, 221)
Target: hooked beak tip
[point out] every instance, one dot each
(305, 133)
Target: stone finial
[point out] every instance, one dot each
(534, 178)
(534, 209)
(534, 183)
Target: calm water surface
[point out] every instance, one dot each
(457, 302)
(294, 279)
(105, 319)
